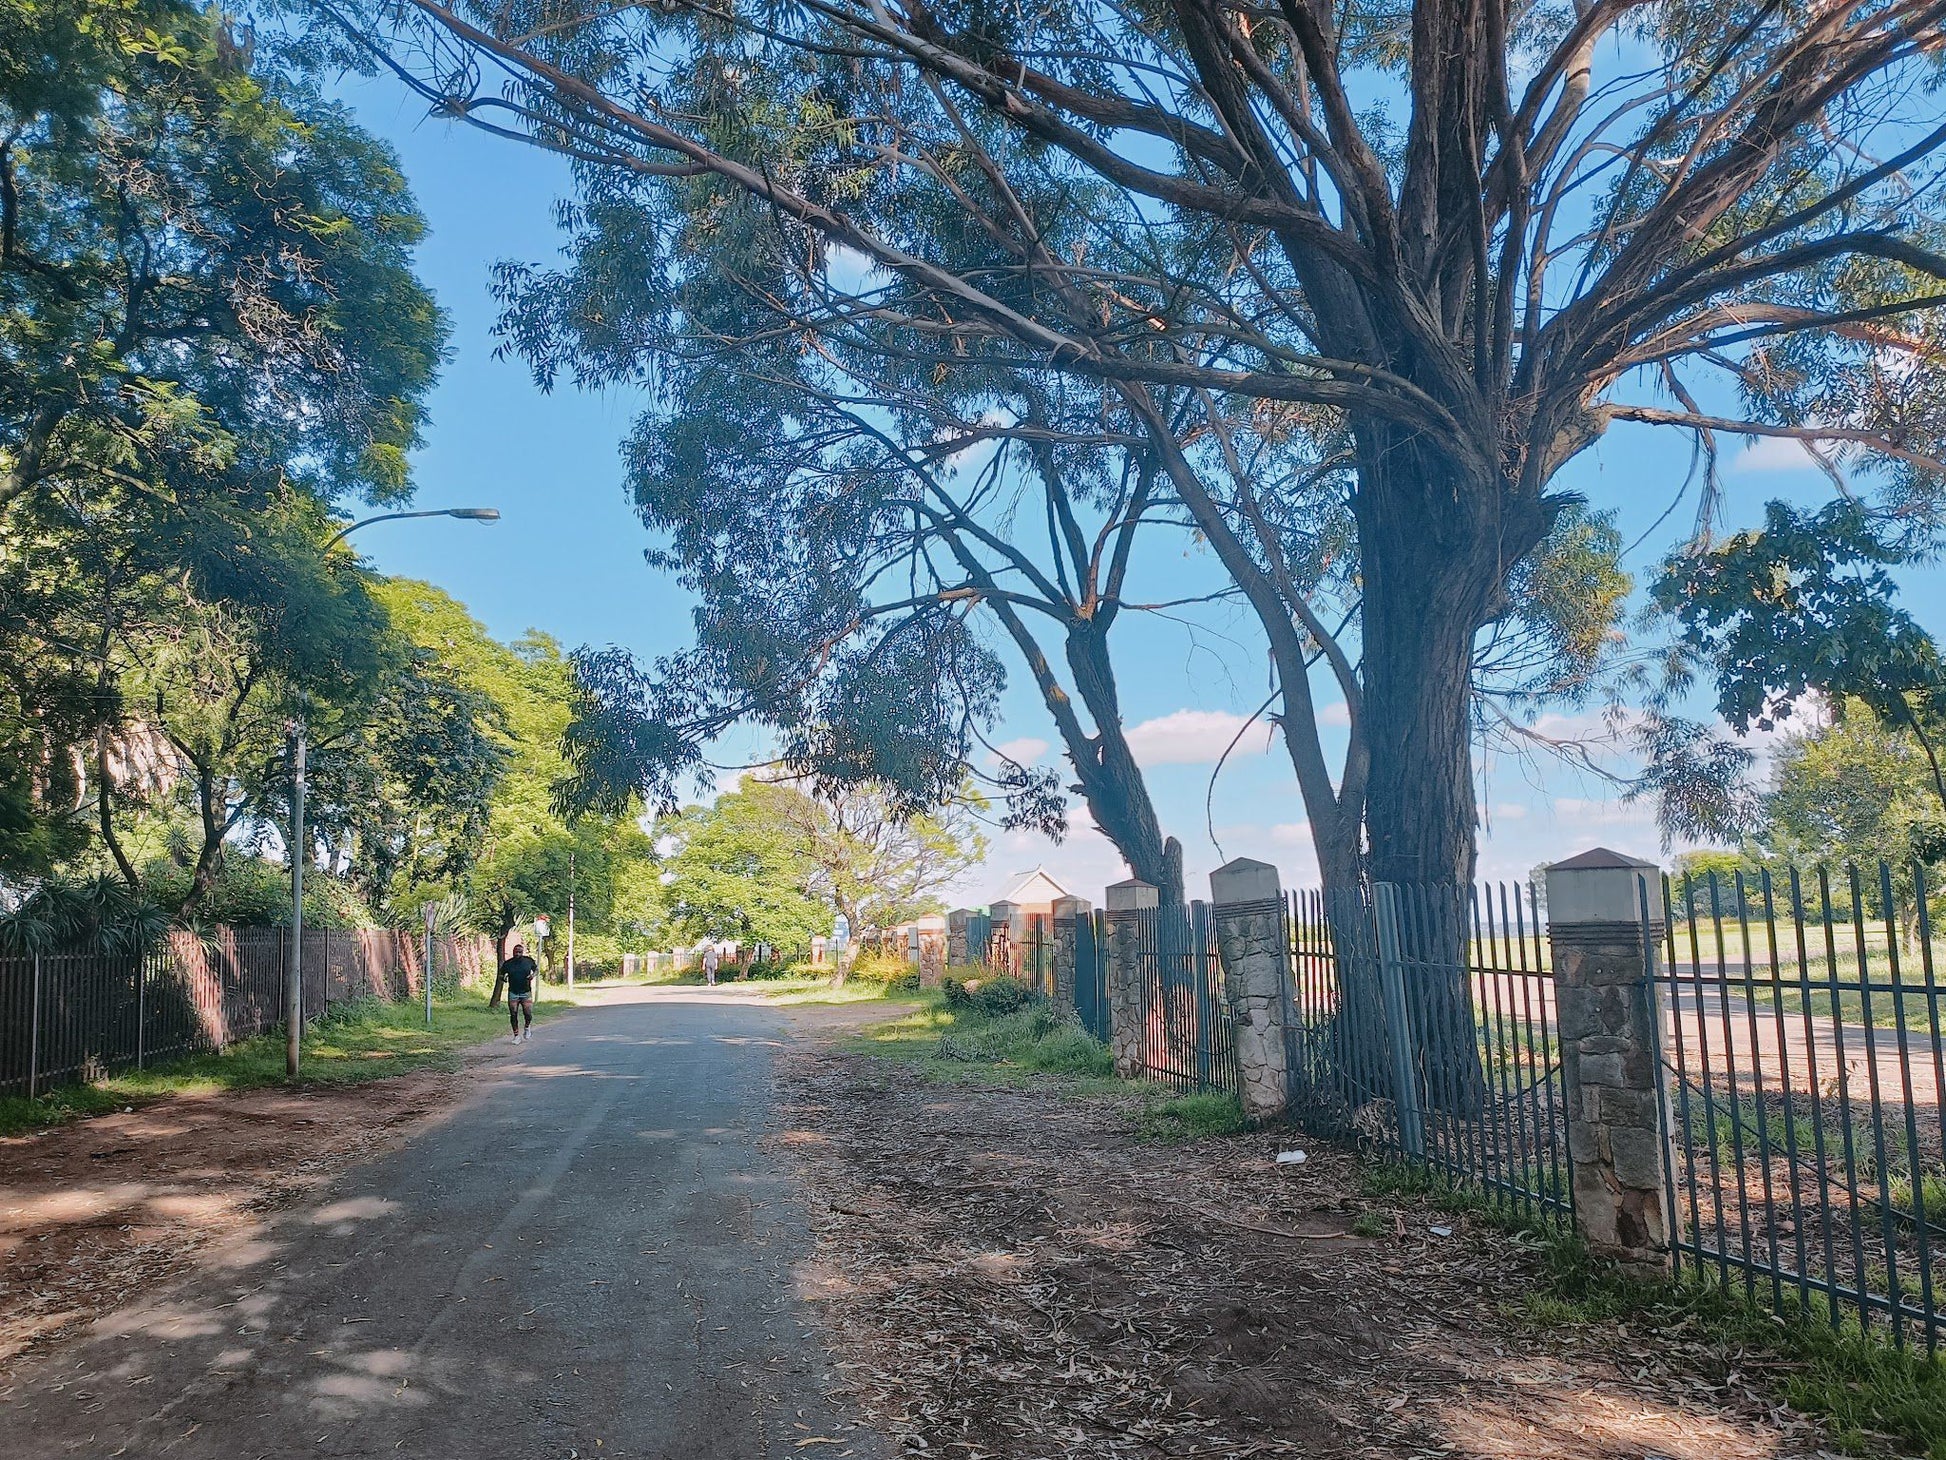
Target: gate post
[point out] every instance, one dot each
(958, 922)
(1247, 904)
(932, 957)
(1066, 913)
(1128, 1010)
(1609, 1014)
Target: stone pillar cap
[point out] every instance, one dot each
(1132, 894)
(1070, 906)
(1602, 886)
(1244, 880)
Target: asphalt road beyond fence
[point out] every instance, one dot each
(589, 1257)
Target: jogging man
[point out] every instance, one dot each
(709, 964)
(519, 972)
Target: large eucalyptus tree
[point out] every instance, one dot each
(1482, 234)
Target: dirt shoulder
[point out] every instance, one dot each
(1016, 1273)
(97, 1211)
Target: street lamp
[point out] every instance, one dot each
(467, 514)
(294, 963)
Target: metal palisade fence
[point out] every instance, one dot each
(67, 1018)
(1797, 1029)
(1188, 1035)
(1803, 1070)
(1470, 1083)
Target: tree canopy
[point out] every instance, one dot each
(212, 336)
(1467, 239)
(771, 862)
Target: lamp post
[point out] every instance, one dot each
(294, 963)
(570, 922)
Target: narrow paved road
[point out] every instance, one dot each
(589, 1257)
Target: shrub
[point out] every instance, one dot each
(880, 967)
(766, 968)
(1003, 995)
(905, 983)
(959, 992)
(1072, 1050)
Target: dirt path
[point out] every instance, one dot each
(95, 1212)
(1016, 1275)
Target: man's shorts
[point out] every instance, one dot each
(527, 999)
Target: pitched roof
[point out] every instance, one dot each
(1033, 887)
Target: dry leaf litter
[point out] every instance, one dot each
(1010, 1274)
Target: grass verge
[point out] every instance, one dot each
(1864, 1389)
(365, 1039)
(967, 1046)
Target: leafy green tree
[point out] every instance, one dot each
(876, 865)
(1806, 608)
(744, 869)
(211, 334)
(1853, 790)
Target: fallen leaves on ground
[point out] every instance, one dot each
(1015, 1274)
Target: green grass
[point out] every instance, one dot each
(964, 1046)
(1863, 1388)
(1189, 1117)
(363, 1040)
(824, 991)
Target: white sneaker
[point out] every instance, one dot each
(516, 1039)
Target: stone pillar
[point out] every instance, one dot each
(932, 958)
(1247, 903)
(1608, 1016)
(1128, 1011)
(957, 954)
(1066, 916)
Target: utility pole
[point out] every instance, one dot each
(432, 914)
(570, 920)
(294, 966)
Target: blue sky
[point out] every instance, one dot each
(567, 555)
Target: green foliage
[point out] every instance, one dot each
(249, 892)
(877, 967)
(1032, 1037)
(1567, 601)
(212, 337)
(1191, 1117)
(1852, 789)
(98, 913)
(1805, 605)
(743, 870)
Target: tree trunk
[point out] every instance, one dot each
(499, 965)
(1435, 550)
(1111, 780)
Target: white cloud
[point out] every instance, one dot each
(1772, 454)
(1194, 737)
(1337, 713)
(1509, 811)
(1024, 751)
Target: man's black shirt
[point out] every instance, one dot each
(520, 976)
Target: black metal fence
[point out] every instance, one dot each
(67, 1018)
(1188, 1035)
(1800, 1037)
(1803, 1072)
(1425, 1032)
(1091, 974)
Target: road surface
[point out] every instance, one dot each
(589, 1257)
